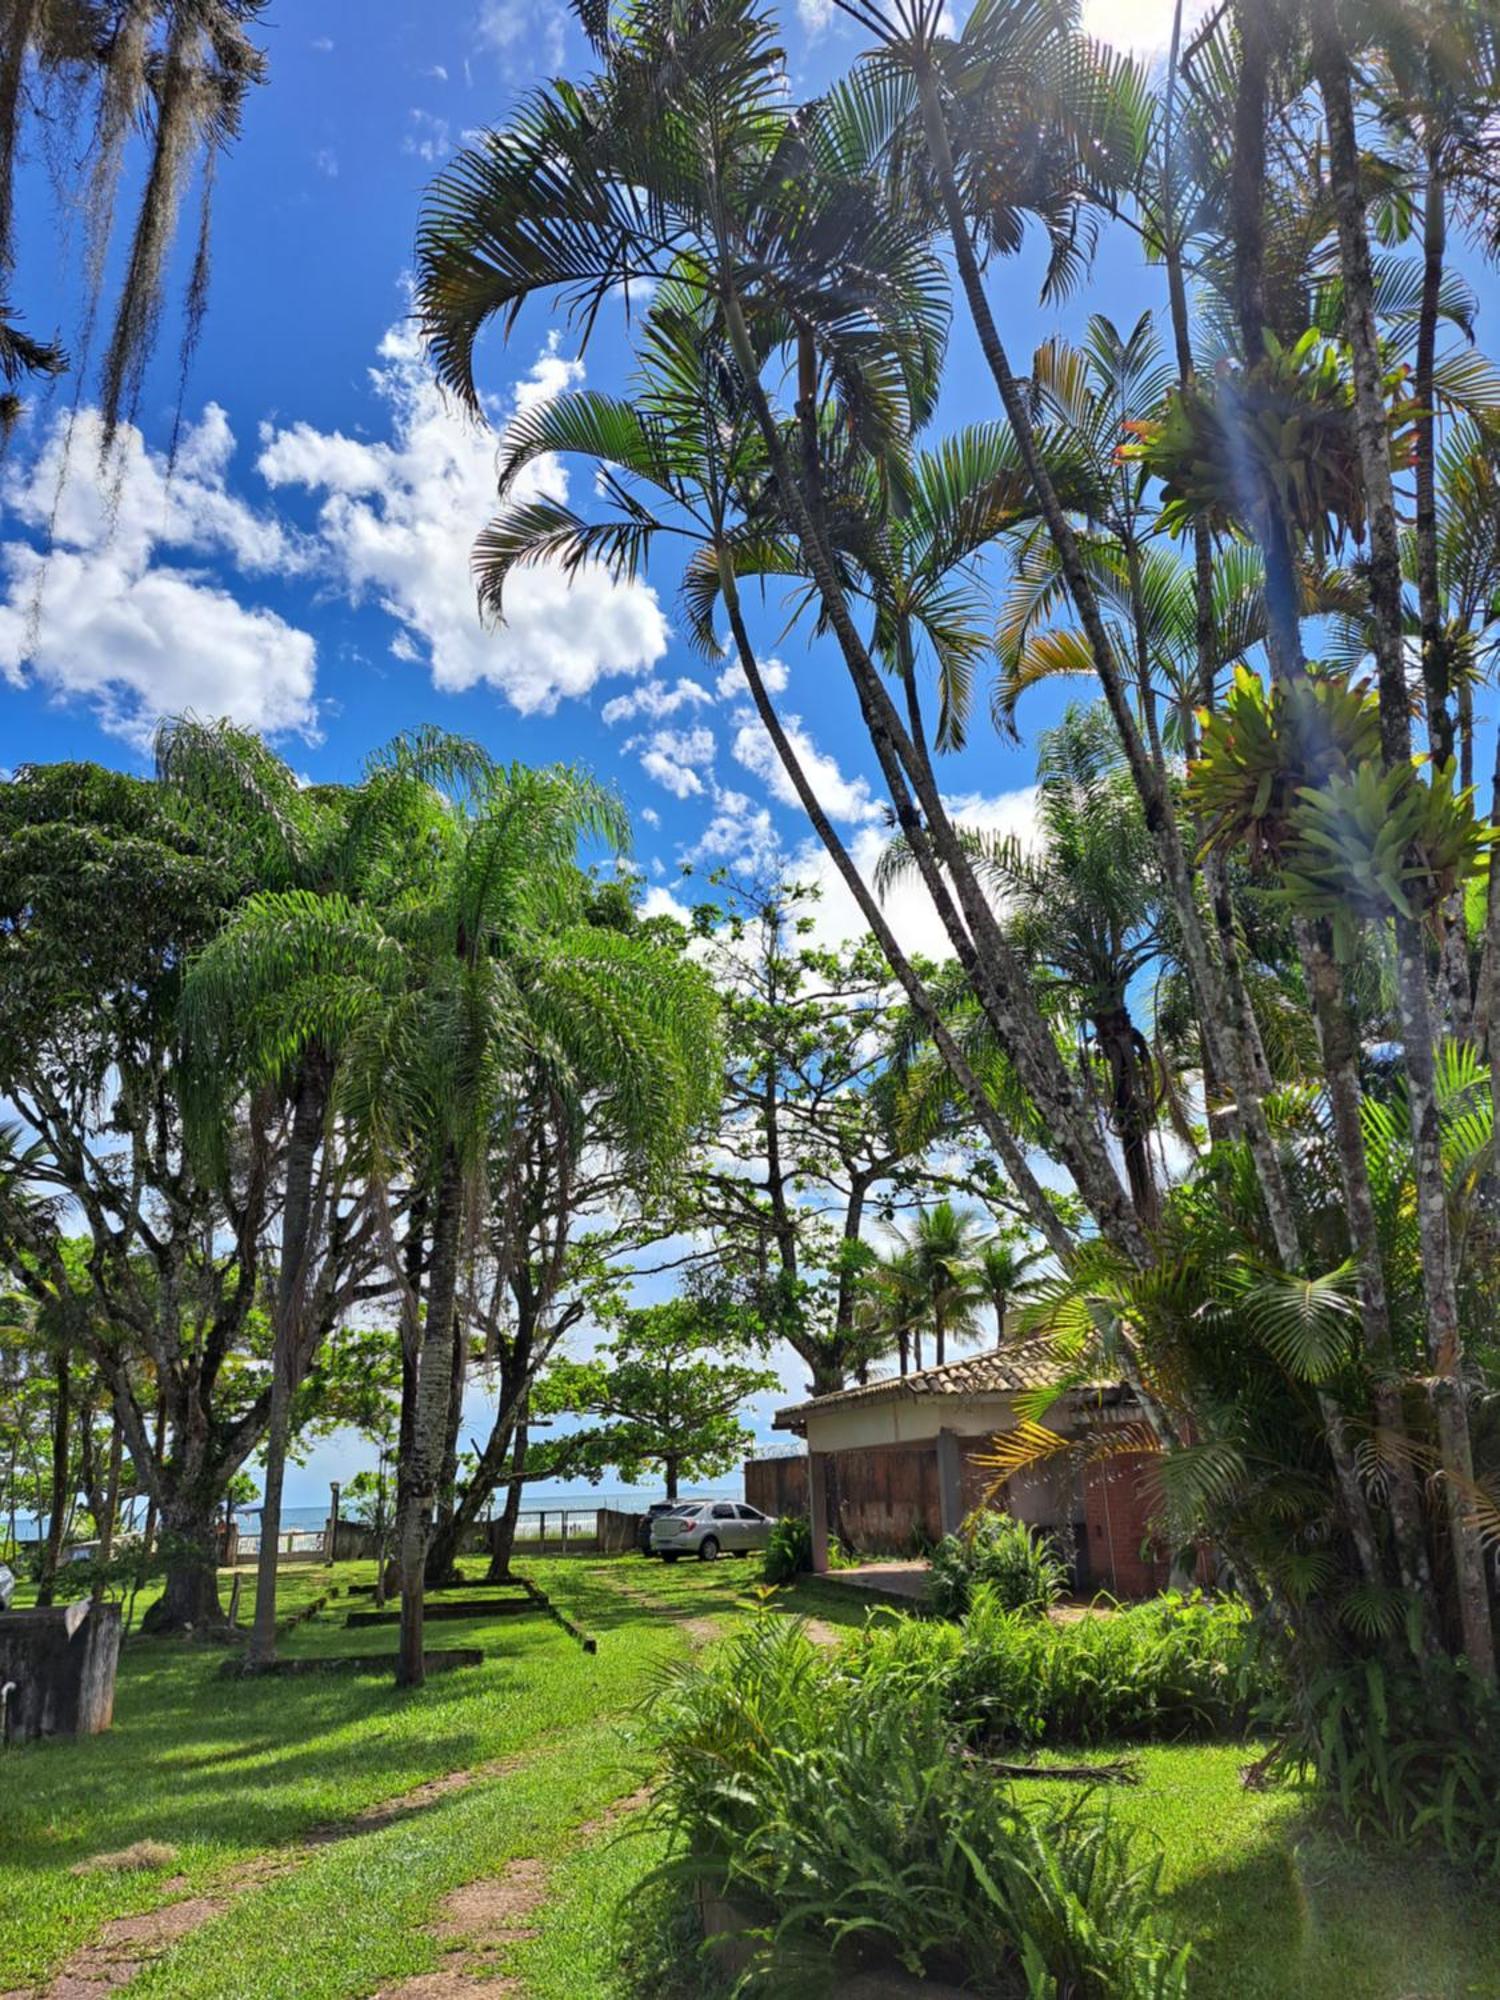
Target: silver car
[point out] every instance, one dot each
(708, 1529)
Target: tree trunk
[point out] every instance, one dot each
(418, 1479)
(1131, 1113)
(1011, 1156)
(287, 1357)
(1444, 1337)
(1229, 1053)
(158, 1447)
(111, 1515)
(442, 1552)
(503, 1543)
(62, 1479)
(190, 1592)
(1339, 1047)
(989, 962)
(669, 1466)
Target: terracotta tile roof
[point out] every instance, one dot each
(1020, 1364)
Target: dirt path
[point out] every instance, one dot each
(126, 1945)
(700, 1630)
(480, 1922)
(475, 1924)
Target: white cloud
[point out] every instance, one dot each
(652, 818)
(732, 685)
(740, 832)
(105, 620)
(529, 34)
(675, 757)
(659, 902)
(427, 137)
(435, 72)
(326, 160)
(907, 906)
(397, 520)
(654, 698)
(814, 15)
(1143, 27)
(846, 799)
(323, 44)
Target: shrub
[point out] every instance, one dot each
(1174, 1668)
(1018, 1564)
(789, 1551)
(844, 1814)
(1407, 1750)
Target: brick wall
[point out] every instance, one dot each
(1119, 1500)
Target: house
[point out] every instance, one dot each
(895, 1463)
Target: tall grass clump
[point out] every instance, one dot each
(1176, 1668)
(843, 1816)
(1021, 1568)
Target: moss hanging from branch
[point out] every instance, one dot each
(177, 70)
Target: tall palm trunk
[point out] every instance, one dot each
(417, 1483)
(442, 1552)
(308, 1112)
(994, 1127)
(1444, 1338)
(1129, 1102)
(999, 981)
(1229, 1051)
(62, 1471)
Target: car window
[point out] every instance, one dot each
(750, 1514)
(723, 1513)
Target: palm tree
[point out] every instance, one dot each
(893, 1307)
(272, 1002)
(679, 152)
(500, 966)
(945, 1248)
(1005, 1273)
(625, 1068)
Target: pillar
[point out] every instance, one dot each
(950, 1482)
(817, 1500)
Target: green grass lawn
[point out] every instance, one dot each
(223, 1769)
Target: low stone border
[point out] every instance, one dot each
(543, 1602)
(456, 1607)
(441, 1661)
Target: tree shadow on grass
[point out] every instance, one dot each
(1309, 1914)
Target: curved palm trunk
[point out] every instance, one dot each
(308, 1115)
(994, 1127)
(442, 1553)
(996, 975)
(417, 1484)
(1444, 1338)
(1229, 1052)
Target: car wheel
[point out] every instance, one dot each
(708, 1549)
(668, 1558)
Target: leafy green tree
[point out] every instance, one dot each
(104, 892)
(659, 1398)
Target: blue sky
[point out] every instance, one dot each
(306, 567)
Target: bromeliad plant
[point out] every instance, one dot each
(839, 1809)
